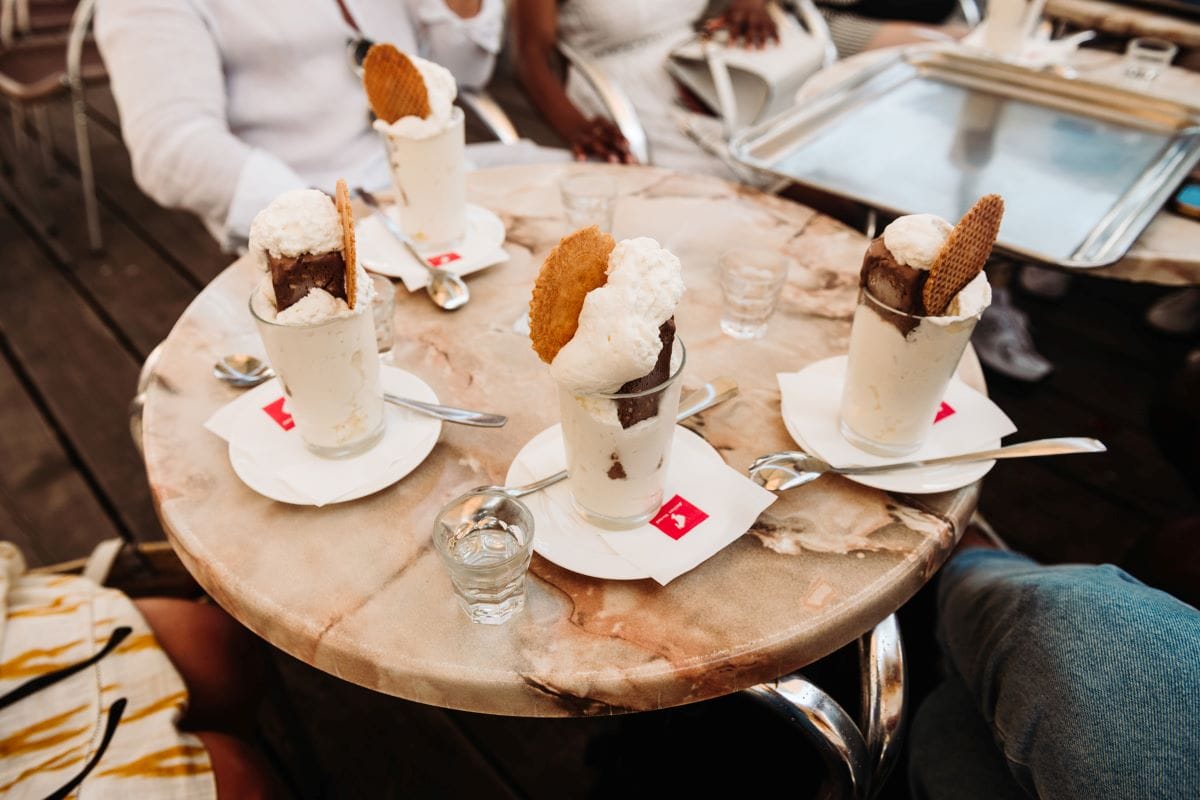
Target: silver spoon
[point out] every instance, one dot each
(243, 371)
(789, 469)
(710, 394)
(447, 290)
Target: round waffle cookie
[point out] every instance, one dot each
(576, 265)
(394, 85)
(349, 257)
(964, 254)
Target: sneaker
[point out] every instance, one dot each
(1004, 344)
(1176, 313)
(1050, 284)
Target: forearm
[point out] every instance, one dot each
(548, 95)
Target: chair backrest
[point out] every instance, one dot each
(81, 21)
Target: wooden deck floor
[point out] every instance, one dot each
(74, 328)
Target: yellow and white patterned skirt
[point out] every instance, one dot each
(89, 702)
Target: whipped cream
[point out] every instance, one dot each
(442, 90)
(617, 339)
(296, 222)
(314, 308)
(971, 300)
(915, 240)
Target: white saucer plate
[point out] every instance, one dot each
(810, 411)
(563, 537)
(483, 239)
(410, 435)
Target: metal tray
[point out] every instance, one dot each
(1083, 167)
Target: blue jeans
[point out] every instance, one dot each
(1065, 682)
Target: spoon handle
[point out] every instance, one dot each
(1038, 447)
(449, 413)
(394, 229)
(710, 394)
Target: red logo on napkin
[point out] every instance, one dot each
(443, 258)
(277, 412)
(677, 517)
(945, 410)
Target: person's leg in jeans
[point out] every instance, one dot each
(1088, 681)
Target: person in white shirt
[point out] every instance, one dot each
(225, 104)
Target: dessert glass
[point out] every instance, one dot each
(330, 375)
(618, 473)
(899, 367)
(431, 184)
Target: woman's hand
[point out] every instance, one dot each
(598, 137)
(747, 22)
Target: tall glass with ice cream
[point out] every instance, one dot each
(413, 100)
(313, 311)
(922, 291)
(603, 317)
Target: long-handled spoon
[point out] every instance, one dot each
(243, 371)
(447, 290)
(789, 469)
(710, 394)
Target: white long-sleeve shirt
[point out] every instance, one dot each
(226, 103)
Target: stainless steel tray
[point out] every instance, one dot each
(1083, 167)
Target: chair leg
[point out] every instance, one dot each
(858, 763)
(41, 121)
(87, 177)
(884, 696)
(828, 727)
(23, 178)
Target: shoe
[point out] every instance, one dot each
(1176, 313)
(1050, 284)
(1004, 344)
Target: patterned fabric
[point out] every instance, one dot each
(52, 731)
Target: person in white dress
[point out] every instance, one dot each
(630, 41)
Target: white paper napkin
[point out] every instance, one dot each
(379, 251)
(708, 506)
(259, 427)
(811, 401)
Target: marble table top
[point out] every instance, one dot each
(357, 590)
(1168, 251)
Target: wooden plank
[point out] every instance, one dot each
(372, 745)
(131, 285)
(40, 486)
(1055, 520)
(177, 237)
(80, 369)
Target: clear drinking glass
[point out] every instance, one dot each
(330, 376)
(899, 367)
(485, 539)
(1146, 58)
(431, 184)
(383, 307)
(588, 198)
(618, 448)
(752, 280)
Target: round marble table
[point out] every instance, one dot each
(1168, 251)
(356, 589)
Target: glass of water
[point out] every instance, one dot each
(752, 280)
(383, 307)
(588, 198)
(1146, 58)
(485, 539)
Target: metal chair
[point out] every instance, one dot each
(859, 756)
(20, 18)
(36, 70)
